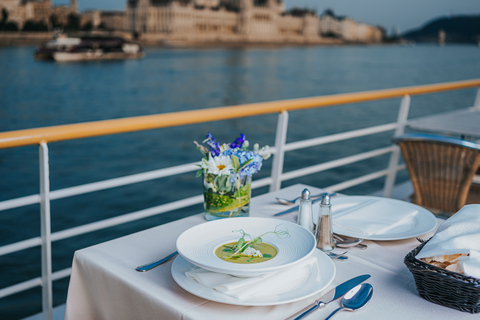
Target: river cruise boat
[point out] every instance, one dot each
(83, 48)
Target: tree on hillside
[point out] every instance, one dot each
(54, 22)
(4, 16)
(31, 25)
(73, 22)
(329, 12)
(6, 25)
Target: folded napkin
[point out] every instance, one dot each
(374, 217)
(459, 234)
(273, 283)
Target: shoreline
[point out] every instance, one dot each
(13, 39)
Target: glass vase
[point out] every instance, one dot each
(226, 196)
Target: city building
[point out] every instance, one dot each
(202, 21)
(22, 11)
(241, 20)
(348, 29)
(106, 20)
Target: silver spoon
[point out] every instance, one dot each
(151, 265)
(345, 242)
(355, 299)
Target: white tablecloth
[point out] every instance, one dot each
(105, 285)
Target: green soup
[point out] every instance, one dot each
(226, 251)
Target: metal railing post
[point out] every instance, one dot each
(46, 248)
(395, 156)
(476, 104)
(280, 141)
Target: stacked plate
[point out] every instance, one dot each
(197, 246)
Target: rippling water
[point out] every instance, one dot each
(38, 94)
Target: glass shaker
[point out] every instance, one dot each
(324, 232)
(305, 214)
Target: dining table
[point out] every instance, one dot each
(105, 285)
(462, 123)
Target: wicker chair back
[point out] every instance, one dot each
(441, 169)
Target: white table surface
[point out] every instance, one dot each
(464, 123)
(105, 285)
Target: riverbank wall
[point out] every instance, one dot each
(185, 40)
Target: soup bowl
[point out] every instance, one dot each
(198, 244)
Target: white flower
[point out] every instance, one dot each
(219, 165)
(224, 147)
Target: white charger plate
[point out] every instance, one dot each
(421, 222)
(197, 244)
(321, 276)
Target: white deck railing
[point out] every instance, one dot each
(274, 180)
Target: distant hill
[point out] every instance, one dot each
(458, 29)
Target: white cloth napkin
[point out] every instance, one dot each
(374, 217)
(265, 285)
(458, 234)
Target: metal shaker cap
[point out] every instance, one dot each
(305, 194)
(326, 200)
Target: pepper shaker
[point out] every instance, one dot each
(324, 232)
(305, 215)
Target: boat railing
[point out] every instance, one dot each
(43, 136)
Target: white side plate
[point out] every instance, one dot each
(423, 221)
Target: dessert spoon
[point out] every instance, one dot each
(355, 299)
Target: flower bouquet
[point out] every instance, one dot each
(227, 171)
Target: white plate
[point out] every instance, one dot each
(421, 222)
(320, 278)
(197, 244)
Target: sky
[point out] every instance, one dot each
(402, 15)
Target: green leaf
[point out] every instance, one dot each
(235, 163)
(240, 243)
(245, 163)
(199, 173)
(223, 183)
(257, 240)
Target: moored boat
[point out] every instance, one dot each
(64, 49)
(60, 43)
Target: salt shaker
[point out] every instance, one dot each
(324, 232)
(305, 216)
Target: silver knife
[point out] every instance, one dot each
(330, 296)
(293, 209)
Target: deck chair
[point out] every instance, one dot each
(441, 170)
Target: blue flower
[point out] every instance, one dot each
(243, 156)
(238, 143)
(249, 162)
(253, 166)
(213, 144)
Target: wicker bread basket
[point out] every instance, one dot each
(444, 287)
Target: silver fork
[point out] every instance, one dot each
(337, 256)
(342, 239)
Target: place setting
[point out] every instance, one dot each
(293, 270)
(372, 218)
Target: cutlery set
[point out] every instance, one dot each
(356, 297)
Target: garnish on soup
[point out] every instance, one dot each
(251, 251)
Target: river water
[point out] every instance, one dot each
(38, 94)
